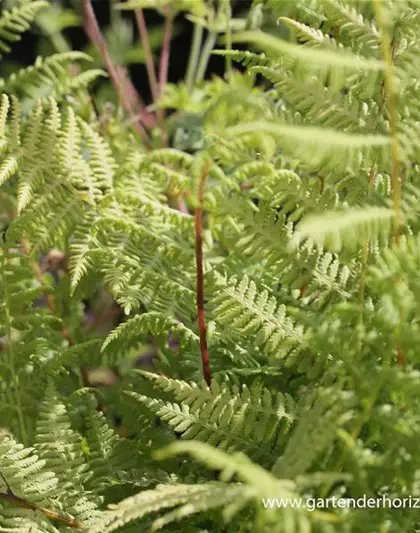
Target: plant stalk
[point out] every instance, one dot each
(95, 35)
(389, 86)
(200, 276)
(194, 56)
(205, 56)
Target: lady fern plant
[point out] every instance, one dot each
(241, 264)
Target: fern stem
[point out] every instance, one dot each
(95, 35)
(166, 53)
(194, 56)
(366, 245)
(228, 58)
(392, 110)
(150, 67)
(10, 355)
(200, 276)
(205, 56)
(145, 41)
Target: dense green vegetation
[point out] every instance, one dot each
(212, 300)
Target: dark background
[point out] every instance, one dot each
(26, 50)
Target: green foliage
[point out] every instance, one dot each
(16, 21)
(302, 169)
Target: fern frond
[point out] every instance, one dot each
(245, 57)
(82, 243)
(317, 427)
(17, 21)
(349, 229)
(318, 104)
(139, 326)
(60, 447)
(229, 417)
(352, 23)
(202, 497)
(109, 455)
(48, 75)
(321, 147)
(315, 57)
(310, 36)
(263, 483)
(238, 302)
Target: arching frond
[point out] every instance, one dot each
(13, 23)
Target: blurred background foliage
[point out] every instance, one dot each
(59, 28)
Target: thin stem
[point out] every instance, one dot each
(95, 35)
(228, 39)
(200, 276)
(366, 244)
(205, 56)
(166, 53)
(194, 55)
(144, 36)
(392, 110)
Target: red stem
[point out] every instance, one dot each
(95, 35)
(200, 278)
(144, 36)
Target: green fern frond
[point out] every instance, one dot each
(136, 328)
(352, 23)
(25, 472)
(262, 483)
(99, 157)
(315, 57)
(109, 455)
(48, 76)
(202, 497)
(245, 57)
(248, 311)
(29, 478)
(60, 447)
(17, 21)
(310, 36)
(317, 427)
(318, 104)
(227, 416)
(321, 147)
(82, 243)
(349, 229)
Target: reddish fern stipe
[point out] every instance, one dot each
(52, 515)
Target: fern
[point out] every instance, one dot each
(225, 418)
(13, 23)
(49, 77)
(258, 230)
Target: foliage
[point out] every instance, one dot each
(295, 175)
